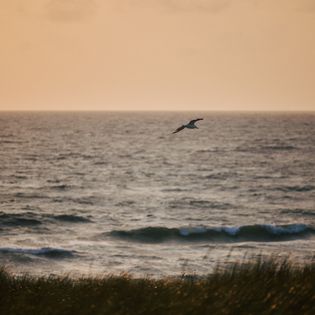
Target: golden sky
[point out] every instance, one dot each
(157, 55)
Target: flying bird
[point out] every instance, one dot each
(190, 125)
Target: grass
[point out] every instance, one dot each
(265, 287)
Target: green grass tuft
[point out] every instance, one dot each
(266, 287)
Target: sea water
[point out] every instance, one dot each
(110, 192)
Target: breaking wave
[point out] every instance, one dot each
(246, 233)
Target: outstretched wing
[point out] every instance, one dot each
(194, 120)
(179, 129)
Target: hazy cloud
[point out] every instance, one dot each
(181, 5)
(70, 10)
(279, 5)
(207, 5)
(307, 5)
(214, 6)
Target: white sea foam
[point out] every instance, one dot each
(232, 230)
(289, 229)
(185, 231)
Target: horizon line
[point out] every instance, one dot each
(155, 110)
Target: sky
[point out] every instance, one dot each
(157, 55)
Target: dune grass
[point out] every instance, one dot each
(266, 287)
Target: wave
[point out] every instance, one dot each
(174, 190)
(71, 218)
(301, 212)
(213, 150)
(59, 187)
(245, 233)
(30, 195)
(303, 188)
(33, 219)
(10, 141)
(220, 175)
(209, 204)
(81, 200)
(17, 219)
(49, 252)
(279, 147)
(199, 204)
(266, 148)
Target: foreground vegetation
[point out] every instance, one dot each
(262, 288)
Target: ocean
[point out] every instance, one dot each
(117, 192)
